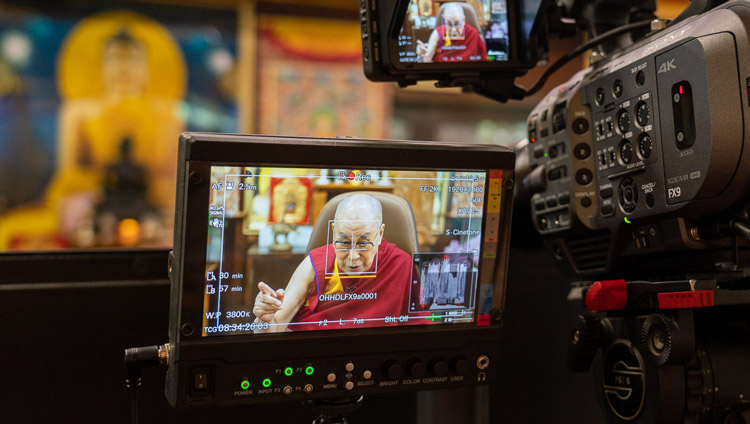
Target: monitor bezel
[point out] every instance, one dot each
(199, 151)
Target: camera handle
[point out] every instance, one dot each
(332, 410)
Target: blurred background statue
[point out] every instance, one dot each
(121, 79)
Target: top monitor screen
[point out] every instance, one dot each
(310, 249)
(446, 32)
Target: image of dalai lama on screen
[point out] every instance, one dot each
(454, 40)
(358, 274)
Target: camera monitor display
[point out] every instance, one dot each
(447, 32)
(359, 273)
(308, 268)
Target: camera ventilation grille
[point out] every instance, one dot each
(589, 253)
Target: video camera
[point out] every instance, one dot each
(643, 154)
(636, 172)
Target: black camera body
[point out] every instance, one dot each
(643, 155)
(639, 169)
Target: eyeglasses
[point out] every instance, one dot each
(453, 23)
(359, 246)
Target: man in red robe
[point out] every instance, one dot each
(354, 282)
(453, 41)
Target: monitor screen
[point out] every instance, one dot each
(311, 249)
(449, 32)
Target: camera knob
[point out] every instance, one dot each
(416, 368)
(459, 365)
(392, 369)
(439, 366)
(584, 342)
(666, 342)
(536, 180)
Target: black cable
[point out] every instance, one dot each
(134, 407)
(136, 359)
(582, 48)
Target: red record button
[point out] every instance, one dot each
(609, 295)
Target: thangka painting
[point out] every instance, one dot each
(291, 199)
(312, 84)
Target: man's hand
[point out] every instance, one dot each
(426, 51)
(421, 49)
(268, 302)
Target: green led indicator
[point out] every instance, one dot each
(267, 383)
(288, 371)
(627, 221)
(309, 370)
(245, 384)
(546, 155)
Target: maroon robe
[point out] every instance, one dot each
(460, 50)
(390, 285)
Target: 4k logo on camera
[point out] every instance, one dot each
(667, 66)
